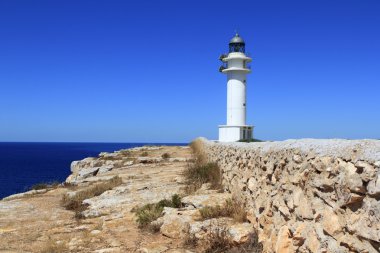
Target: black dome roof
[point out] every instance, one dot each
(237, 39)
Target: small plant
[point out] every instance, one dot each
(147, 214)
(75, 202)
(219, 242)
(151, 212)
(145, 153)
(198, 173)
(165, 156)
(190, 241)
(231, 208)
(176, 201)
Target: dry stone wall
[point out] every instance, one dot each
(306, 195)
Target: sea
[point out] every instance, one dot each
(24, 164)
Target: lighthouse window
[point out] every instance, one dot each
(244, 104)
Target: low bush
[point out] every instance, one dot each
(150, 212)
(165, 156)
(199, 173)
(231, 208)
(75, 202)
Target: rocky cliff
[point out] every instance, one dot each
(36, 221)
(306, 195)
(96, 209)
(296, 195)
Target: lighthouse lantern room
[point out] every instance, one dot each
(235, 65)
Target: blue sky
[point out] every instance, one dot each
(147, 71)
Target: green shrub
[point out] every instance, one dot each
(148, 213)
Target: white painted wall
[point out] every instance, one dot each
(236, 98)
(229, 134)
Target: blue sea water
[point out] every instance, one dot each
(25, 164)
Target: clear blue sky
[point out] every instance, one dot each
(147, 71)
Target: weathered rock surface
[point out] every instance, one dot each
(35, 221)
(301, 196)
(306, 195)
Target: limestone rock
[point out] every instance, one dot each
(175, 223)
(373, 187)
(199, 201)
(331, 223)
(240, 232)
(25, 194)
(284, 242)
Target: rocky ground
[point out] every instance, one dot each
(36, 221)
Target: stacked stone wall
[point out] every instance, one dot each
(306, 195)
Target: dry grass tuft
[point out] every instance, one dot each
(219, 242)
(53, 247)
(75, 202)
(196, 148)
(40, 186)
(190, 241)
(232, 208)
(151, 212)
(199, 173)
(145, 153)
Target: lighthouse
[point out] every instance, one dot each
(235, 66)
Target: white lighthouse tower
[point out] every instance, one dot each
(236, 68)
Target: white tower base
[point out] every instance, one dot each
(229, 133)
